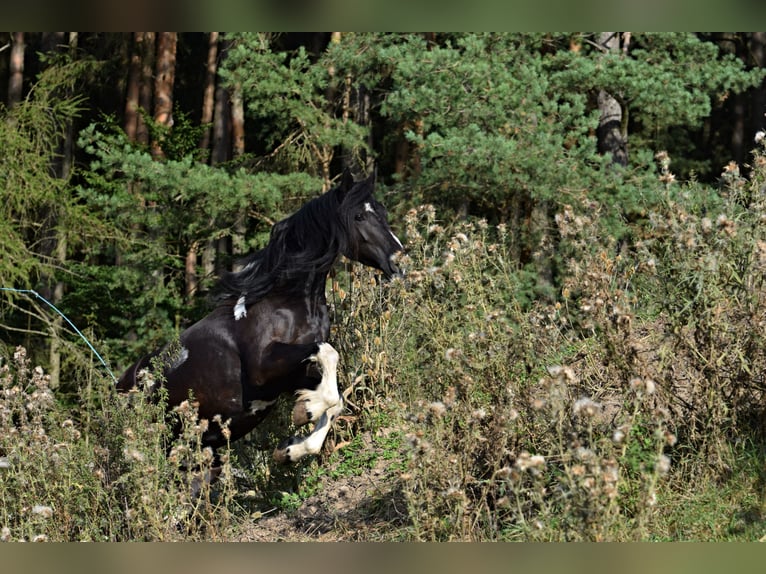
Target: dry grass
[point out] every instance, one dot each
(572, 420)
(619, 411)
(100, 472)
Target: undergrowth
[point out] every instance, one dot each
(109, 471)
(582, 419)
(628, 407)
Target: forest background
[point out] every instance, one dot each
(551, 248)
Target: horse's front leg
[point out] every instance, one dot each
(321, 405)
(313, 402)
(288, 362)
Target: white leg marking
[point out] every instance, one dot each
(145, 379)
(326, 394)
(239, 309)
(324, 403)
(312, 444)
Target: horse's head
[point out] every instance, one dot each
(370, 239)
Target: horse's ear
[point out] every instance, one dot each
(373, 177)
(346, 183)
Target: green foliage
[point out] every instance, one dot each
(179, 141)
(33, 201)
(667, 83)
(157, 211)
(480, 111)
(189, 200)
(287, 96)
(498, 118)
(561, 361)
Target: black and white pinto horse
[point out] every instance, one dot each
(268, 334)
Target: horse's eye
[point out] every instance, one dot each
(361, 216)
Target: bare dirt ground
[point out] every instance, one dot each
(367, 506)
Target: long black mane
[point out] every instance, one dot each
(301, 248)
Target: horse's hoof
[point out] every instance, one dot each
(282, 456)
(282, 452)
(301, 414)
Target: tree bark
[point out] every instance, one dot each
(16, 71)
(164, 82)
(62, 168)
(221, 152)
(191, 279)
(145, 41)
(191, 275)
(208, 97)
(237, 122)
(221, 127)
(134, 87)
(611, 135)
(237, 150)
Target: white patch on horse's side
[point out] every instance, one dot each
(256, 406)
(180, 358)
(239, 309)
(368, 207)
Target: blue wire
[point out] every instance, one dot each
(52, 306)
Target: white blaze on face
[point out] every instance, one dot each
(369, 208)
(239, 309)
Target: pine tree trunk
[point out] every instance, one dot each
(190, 272)
(237, 122)
(237, 150)
(737, 121)
(740, 107)
(163, 84)
(16, 69)
(208, 108)
(211, 260)
(62, 168)
(133, 88)
(145, 41)
(221, 127)
(611, 137)
(208, 97)
(138, 99)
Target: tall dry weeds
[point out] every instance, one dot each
(101, 472)
(520, 419)
(567, 421)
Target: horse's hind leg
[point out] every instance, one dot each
(321, 405)
(203, 479)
